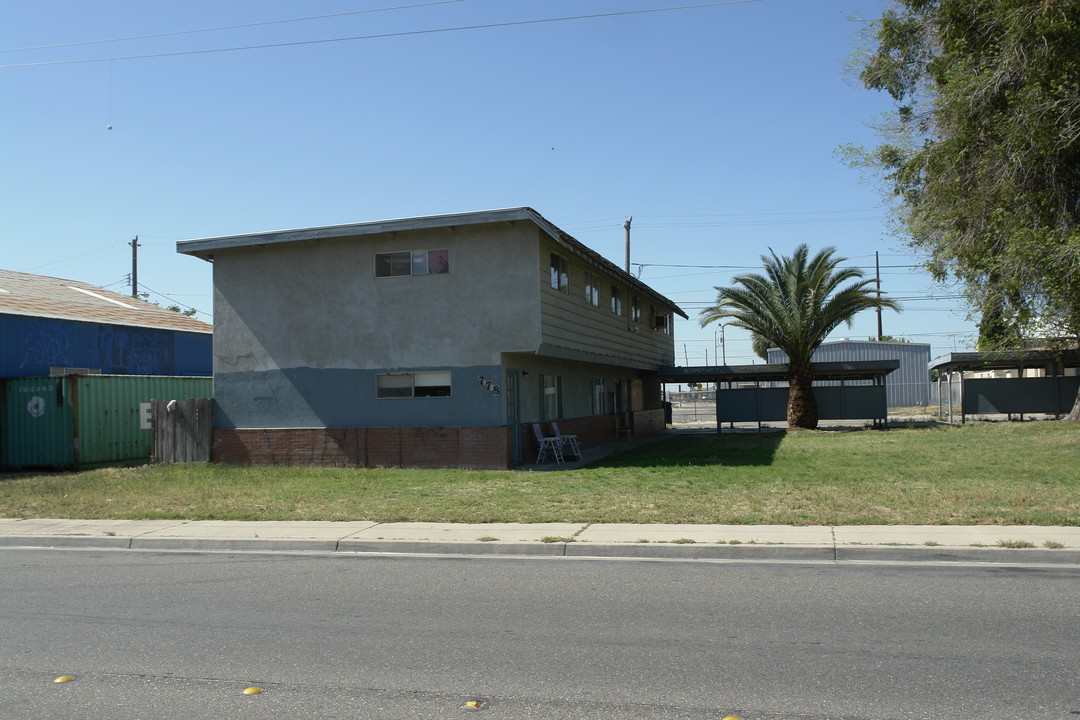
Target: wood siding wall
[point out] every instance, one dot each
(570, 322)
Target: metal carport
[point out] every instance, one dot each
(769, 404)
(1052, 394)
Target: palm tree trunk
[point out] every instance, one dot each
(1074, 414)
(802, 409)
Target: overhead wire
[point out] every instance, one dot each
(103, 250)
(405, 33)
(226, 27)
(173, 300)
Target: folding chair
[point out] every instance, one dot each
(568, 440)
(547, 443)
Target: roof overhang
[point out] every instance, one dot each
(1003, 360)
(853, 370)
(205, 247)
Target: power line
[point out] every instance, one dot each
(225, 27)
(173, 301)
(383, 35)
(743, 267)
(753, 223)
(99, 252)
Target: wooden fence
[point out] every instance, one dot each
(182, 430)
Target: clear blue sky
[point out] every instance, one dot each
(715, 127)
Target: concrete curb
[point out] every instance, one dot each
(1034, 556)
(873, 543)
(701, 551)
(626, 550)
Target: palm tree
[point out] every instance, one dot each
(794, 306)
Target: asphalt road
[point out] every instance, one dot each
(180, 635)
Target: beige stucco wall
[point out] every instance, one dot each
(318, 304)
(303, 328)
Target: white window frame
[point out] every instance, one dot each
(592, 289)
(560, 273)
(410, 385)
(551, 397)
(599, 397)
(418, 263)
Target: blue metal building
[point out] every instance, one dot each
(52, 326)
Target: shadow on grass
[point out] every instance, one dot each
(729, 450)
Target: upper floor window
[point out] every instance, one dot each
(616, 300)
(592, 289)
(417, 262)
(661, 321)
(560, 273)
(635, 309)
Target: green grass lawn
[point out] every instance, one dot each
(993, 473)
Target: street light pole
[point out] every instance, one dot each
(723, 346)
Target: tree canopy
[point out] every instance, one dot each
(982, 152)
(794, 306)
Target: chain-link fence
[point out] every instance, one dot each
(694, 410)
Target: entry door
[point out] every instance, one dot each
(513, 411)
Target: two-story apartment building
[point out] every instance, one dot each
(427, 341)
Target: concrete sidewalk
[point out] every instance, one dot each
(932, 543)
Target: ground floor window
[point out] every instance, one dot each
(413, 385)
(551, 402)
(598, 396)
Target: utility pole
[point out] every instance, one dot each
(134, 266)
(134, 245)
(877, 279)
(626, 227)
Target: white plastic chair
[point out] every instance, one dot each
(568, 440)
(552, 444)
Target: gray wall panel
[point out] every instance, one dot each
(993, 396)
(908, 386)
(863, 402)
(308, 397)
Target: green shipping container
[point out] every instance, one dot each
(84, 420)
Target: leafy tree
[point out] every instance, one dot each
(982, 153)
(794, 306)
(190, 312)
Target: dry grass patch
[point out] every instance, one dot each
(994, 473)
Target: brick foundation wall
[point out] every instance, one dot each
(479, 448)
(649, 422)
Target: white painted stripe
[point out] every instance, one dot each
(102, 297)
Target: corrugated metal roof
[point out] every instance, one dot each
(205, 247)
(853, 370)
(42, 296)
(1003, 359)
